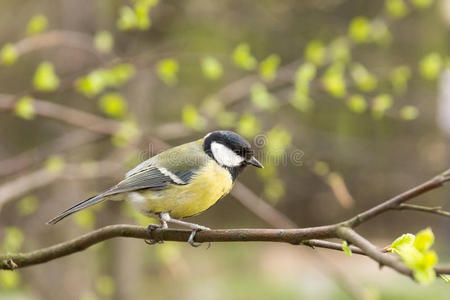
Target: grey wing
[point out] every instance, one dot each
(142, 166)
(151, 178)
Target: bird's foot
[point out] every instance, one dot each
(192, 236)
(150, 229)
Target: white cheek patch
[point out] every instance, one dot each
(225, 156)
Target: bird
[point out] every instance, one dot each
(182, 181)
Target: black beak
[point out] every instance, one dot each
(254, 162)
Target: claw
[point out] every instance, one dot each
(191, 239)
(150, 229)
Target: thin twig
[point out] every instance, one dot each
(331, 246)
(434, 210)
(370, 250)
(394, 202)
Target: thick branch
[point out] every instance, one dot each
(293, 236)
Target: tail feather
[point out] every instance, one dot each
(86, 203)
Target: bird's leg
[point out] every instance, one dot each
(152, 227)
(165, 217)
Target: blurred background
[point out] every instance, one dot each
(347, 103)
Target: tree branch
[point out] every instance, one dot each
(293, 236)
(434, 210)
(394, 202)
(370, 250)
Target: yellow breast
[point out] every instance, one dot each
(210, 184)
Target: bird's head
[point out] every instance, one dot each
(230, 150)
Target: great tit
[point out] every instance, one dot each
(182, 181)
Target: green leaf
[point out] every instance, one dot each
(357, 104)
(27, 205)
(243, 58)
(274, 189)
(24, 108)
(405, 240)
(113, 105)
(396, 8)
(127, 19)
(226, 119)
(45, 78)
(37, 24)
(381, 104)
(424, 240)
(105, 286)
(13, 240)
(415, 253)
(211, 106)
(305, 74)
(97, 81)
(360, 29)
(261, 98)
(119, 74)
(346, 248)
(142, 11)
(321, 168)
(424, 276)
(364, 80)
(431, 65)
(85, 219)
(9, 279)
(104, 41)
(268, 67)
(92, 84)
(380, 33)
(248, 125)
(315, 52)
(136, 17)
(55, 164)
(421, 4)
(8, 55)
(339, 50)
(334, 81)
(399, 78)
(211, 68)
(167, 70)
(445, 277)
(278, 140)
(192, 119)
(301, 101)
(409, 112)
(128, 132)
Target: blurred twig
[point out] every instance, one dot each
(43, 176)
(55, 38)
(37, 154)
(261, 208)
(65, 114)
